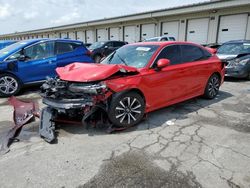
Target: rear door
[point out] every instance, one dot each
(70, 52)
(197, 67)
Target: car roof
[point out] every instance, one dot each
(104, 41)
(163, 43)
(47, 39)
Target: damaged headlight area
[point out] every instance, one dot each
(59, 89)
(84, 102)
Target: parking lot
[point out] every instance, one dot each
(198, 143)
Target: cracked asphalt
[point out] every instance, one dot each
(197, 143)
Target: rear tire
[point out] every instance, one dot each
(9, 85)
(213, 86)
(126, 109)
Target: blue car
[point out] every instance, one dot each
(31, 61)
(5, 43)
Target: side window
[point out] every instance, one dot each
(14, 56)
(65, 47)
(171, 38)
(173, 53)
(40, 51)
(192, 53)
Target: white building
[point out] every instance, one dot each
(208, 22)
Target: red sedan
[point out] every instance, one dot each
(134, 80)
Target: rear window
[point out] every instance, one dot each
(192, 53)
(171, 38)
(119, 44)
(65, 47)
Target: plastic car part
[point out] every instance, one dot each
(47, 126)
(24, 112)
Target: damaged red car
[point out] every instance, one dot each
(132, 81)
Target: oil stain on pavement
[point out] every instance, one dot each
(135, 169)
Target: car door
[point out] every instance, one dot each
(40, 62)
(196, 64)
(69, 52)
(169, 83)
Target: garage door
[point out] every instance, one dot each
(90, 36)
(72, 35)
(232, 27)
(130, 34)
(114, 33)
(147, 31)
(56, 35)
(64, 35)
(171, 29)
(102, 35)
(81, 36)
(197, 30)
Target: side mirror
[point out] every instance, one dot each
(106, 47)
(161, 63)
(22, 58)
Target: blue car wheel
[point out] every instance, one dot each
(9, 85)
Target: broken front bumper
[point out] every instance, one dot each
(66, 104)
(58, 110)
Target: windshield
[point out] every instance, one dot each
(136, 56)
(96, 45)
(234, 48)
(11, 47)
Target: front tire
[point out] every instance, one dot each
(213, 86)
(126, 109)
(9, 85)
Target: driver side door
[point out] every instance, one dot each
(168, 84)
(40, 62)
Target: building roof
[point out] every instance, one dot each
(196, 7)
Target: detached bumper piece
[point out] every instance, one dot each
(47, 127)
(24, 112)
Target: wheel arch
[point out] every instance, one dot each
(136, 90)
(12, 74)
(218, 74)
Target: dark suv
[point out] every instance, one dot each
(236, 55)
(104, 48)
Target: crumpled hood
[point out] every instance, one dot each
(225, 56)
(87, 72)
